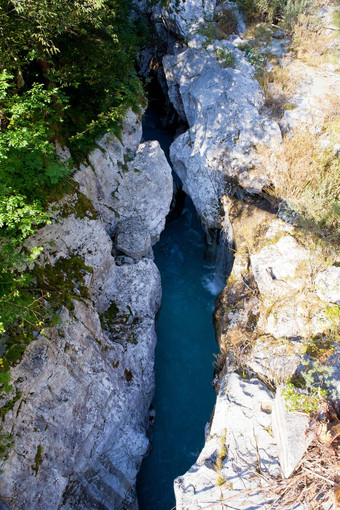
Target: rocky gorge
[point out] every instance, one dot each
(88, 382)
(78, 410)
(277, 302)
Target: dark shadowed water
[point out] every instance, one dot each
(184, 397)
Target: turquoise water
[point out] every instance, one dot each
(184, 397)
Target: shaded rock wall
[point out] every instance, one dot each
(84, 388)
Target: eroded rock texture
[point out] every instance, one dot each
(278, 304)
(214, 89)
(84, 389)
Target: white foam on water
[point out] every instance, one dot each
(213, 283)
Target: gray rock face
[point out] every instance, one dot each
(85, 409)
(290, 430)
(239, 443)
(327, 285)
(144, 190)
(311, 97)
(184, 18)
(283, 274)
(98, 179)
(132, 238)
(215, 90)
(128, 180)
(88, 238)
(275, 362)
(83, 391)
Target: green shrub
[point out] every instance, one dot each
(306, 391)
(208, 30)
(254, 56)
(302, 401)
(53, 86)
(262, 10)
(225, 58)
(292, 11)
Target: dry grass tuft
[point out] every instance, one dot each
(279, 86)
(306, 177)
(313, 44)
(315, 481)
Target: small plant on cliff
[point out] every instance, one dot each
(306, 391)
(303, 401)
(38, 459)
(262, 10)
(6, 441)
(34, 305)
(220, 457)
(120, 325)
(208, 30)
(254, 56)
(225, 58)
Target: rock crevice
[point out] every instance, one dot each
(79, 425)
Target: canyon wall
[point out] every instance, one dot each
(78, 410)
(280, 303)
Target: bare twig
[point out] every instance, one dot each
(317, 475)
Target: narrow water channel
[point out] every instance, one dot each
(184, 397)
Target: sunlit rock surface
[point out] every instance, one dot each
(183, 18)
(327, 285)
(239, 445)
(84, 390)
(263, 318)
(125, 180)
(213, 87)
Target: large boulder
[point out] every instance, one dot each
(126, 179)
(132, 238)
(327, 285)
(144, 188)
(212, 86)
(291, 434)
(183, 18)
(78, 428)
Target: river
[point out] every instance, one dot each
(184, 397)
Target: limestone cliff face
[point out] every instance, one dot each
(83, 390)
(222, 104)
(276, 299)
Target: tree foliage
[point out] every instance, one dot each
(66, 74)
(262, 10)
